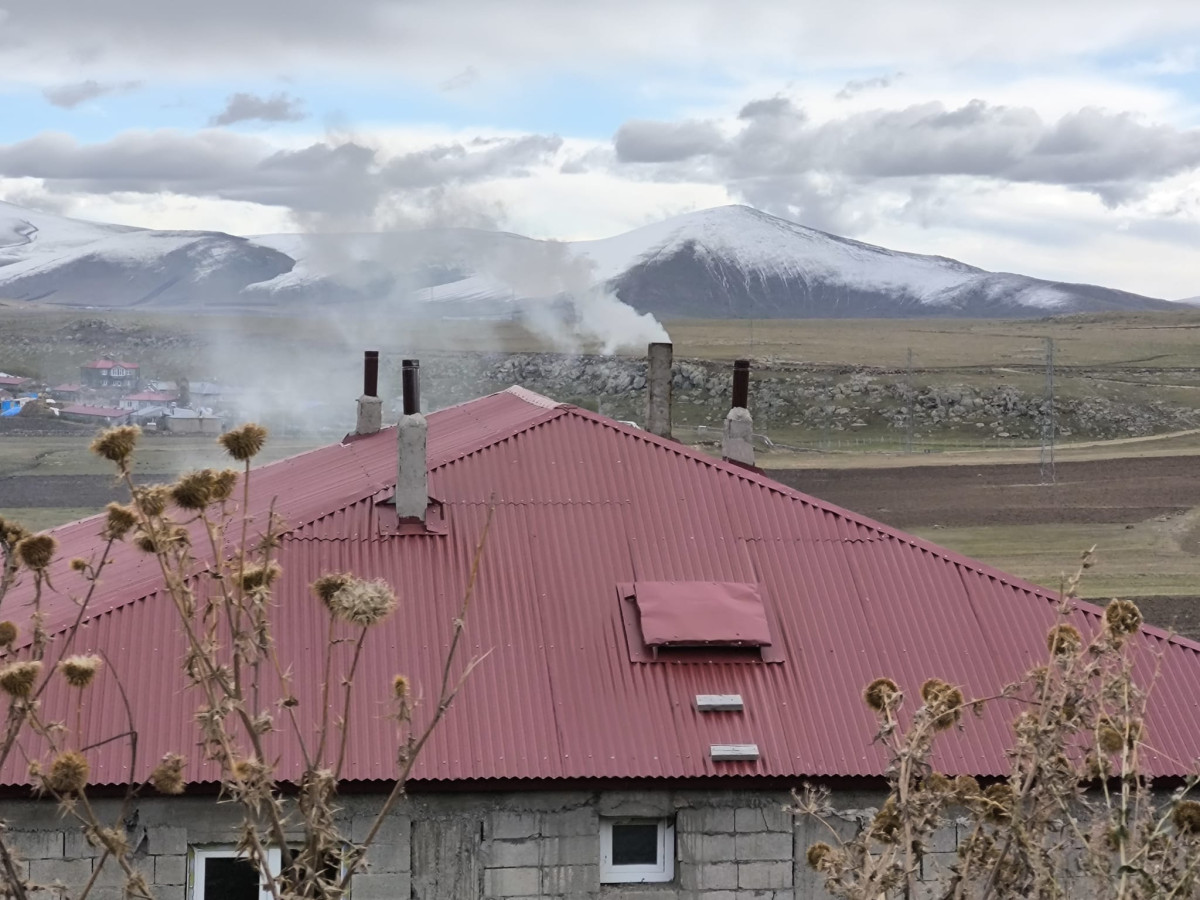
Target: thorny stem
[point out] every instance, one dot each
(349, 685)
(449, 689)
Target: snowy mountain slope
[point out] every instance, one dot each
(734, 261)
(730, 261)
(65, 261)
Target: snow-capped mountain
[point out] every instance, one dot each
(730, 261)
(72, 263)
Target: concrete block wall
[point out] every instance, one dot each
(544, 845)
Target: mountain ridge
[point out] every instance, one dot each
(724, 262)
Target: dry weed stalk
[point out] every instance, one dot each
(218, 570)
(1076, 814)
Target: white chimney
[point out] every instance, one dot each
(370, 407)
(412, 481)
(658, 389)
(737, 442)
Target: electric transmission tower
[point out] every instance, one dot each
(1048, 419)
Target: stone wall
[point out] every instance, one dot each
(729, 845)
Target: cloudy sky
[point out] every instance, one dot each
(1058, 138)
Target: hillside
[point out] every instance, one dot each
(728, 262)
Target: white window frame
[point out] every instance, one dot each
(662, 871)
(200, 854)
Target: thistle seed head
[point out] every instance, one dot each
(327, 586)
(363, 603)
(260, 576)
(11, 533)
(245, 442)
(8, 633)
(944, 702)
(817, 854)
(152, 499)
(193, 490)
(167, 777)
(223, 484)
(879, 694)
(79, 670)
(998, 802)
(1064, 640)
(401, 687)
(116, 444)
(68, 773)
(119, 520)
(1122, 618)
(37, 551)
(18, 678)
(1186, 817)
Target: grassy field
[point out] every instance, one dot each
(1148, 559)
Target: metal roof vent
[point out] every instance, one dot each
(719, 703)
(733, 752)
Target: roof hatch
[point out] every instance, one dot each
(701, 614)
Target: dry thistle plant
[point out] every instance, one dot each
(1076, 814)
(201, 524)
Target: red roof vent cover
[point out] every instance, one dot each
(701, 613)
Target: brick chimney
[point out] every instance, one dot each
(737, 442)
(658, 389)
(370, 407)
(412, 481)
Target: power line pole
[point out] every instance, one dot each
(908, 425)
(1048, 419)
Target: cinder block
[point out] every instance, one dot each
(707, 848)
(764, 875)
(166, 840)
(571, 822)
(577, 850)
(708, 877)
(570, 881)
(763, 818)
(511, 825)
(764, 845)
(515, 854)
(512, 882)
(706, 820)
(391, 851)
(393, 886)
(170, 870)
(944, 839)
(71, 872)
(76, 845)
(37, 844)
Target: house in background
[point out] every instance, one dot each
(15, 383)
(67, 393)
(673, 641)
(100, 416)
(180, 420)
(144, 399)
(110, 373)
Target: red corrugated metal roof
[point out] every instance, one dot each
(583, 504)
(108, 364)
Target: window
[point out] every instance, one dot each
(219, 873)
(634, 851)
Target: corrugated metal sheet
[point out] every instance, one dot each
(583, 504)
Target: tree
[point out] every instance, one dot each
(226, 618)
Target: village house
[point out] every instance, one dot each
(67, 393)
(109, 373)
(144, 399)
(15, 383)
(95, 415)
(673, 642)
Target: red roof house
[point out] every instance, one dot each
(110, 373)
(623, 576)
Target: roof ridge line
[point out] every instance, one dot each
(950, 556)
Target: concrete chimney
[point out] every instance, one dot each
(737, 442)
(658, 389)
(370, 407)
(412, 481)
